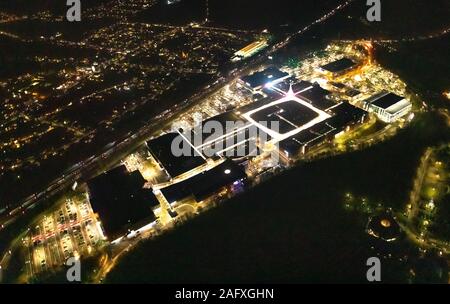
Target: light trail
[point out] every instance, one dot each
(52, 189)
(62, 227)
(14, 36)
(422, 37)
(56, 186)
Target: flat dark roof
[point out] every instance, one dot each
(226, 120)
(305, 137)
(248, 148)
(321, 128)
(161, 149)
(345, 114)
(317, 96)
(206, 183)
(293, 145)
(387, 100)
(290, 115)
(119, 199)
(339, 65)
(257, 104)
(258, 79)
(244, 140)
(301, 85)
(290, 146)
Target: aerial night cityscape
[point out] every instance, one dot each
(224, 142)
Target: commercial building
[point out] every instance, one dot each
(342, 117)
(284, 117)
(316, 96)
(303, 114)
(207, 183)
(119, 199)
(348, 91)
(225, 135)
(338, 67)
(302, 142)
(281, 88)
(162, 149)
(258, 80)
(250, 50)
(289, 115)
(346, 115)
(389, 107)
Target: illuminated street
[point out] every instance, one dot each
(278, 141)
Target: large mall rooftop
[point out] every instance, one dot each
(120, 200)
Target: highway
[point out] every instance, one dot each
(89, 167)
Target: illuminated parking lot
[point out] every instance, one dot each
(71, 231)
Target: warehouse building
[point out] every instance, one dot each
(174, 165)
(258, 80)
(250, 50)
(338, 67)
(207, 183)
(389, 107)
(121, 202)
(344, 115)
